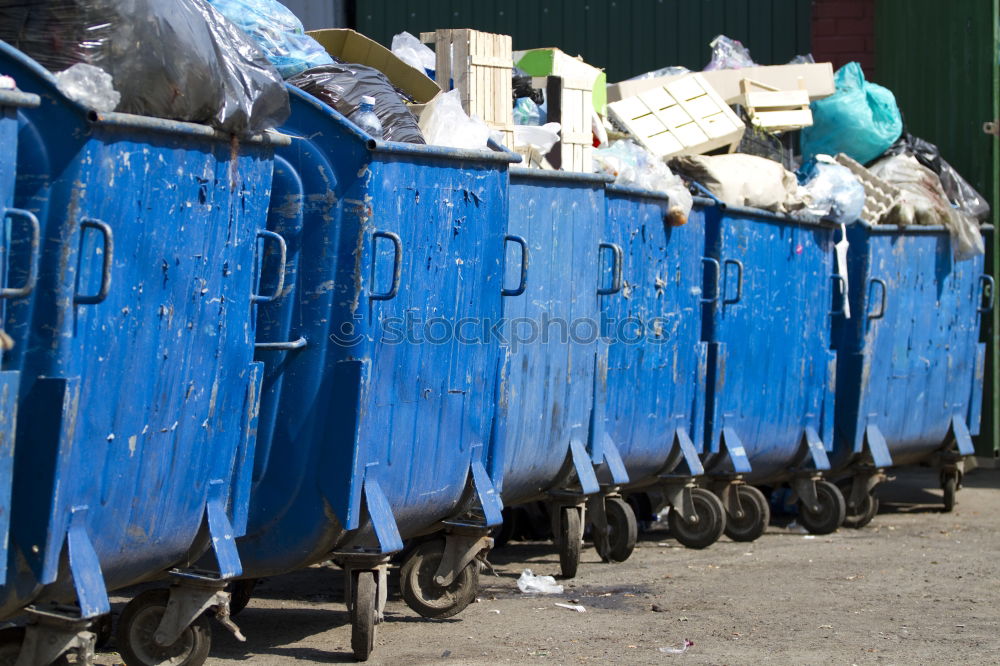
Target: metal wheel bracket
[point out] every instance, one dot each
(188, 600)
(599, 519)
(862, 486)
(805, 487)
(375, 562)
(730, 496)
(556, 507)
(53, 632)
(679, 497)
(459, 550)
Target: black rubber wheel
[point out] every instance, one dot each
(505, 531)
(363, 614)
(622, 530)
(570, 540)
(240, 594)
(949, 484)
(832, 510)
(424, 595)
(103, 628)
(756, 514)
(138, 623)
(711, 521)
(858, 516)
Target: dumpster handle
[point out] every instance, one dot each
(616, 282)
(524, 266)
(718, 278)
(842, 281)
(987, 282)
(397, 265)
(739, 280)
(885, 290)
(29, 284)
(282, 260)
(109, 252)
(281, 346)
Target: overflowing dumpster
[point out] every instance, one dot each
(137, 380)
(541, 449)
(910, 361)
(379, 373)
(771, 289)
(654, 328)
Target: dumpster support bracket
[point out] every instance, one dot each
(804, 486)
(678, 494)
(816, 450)
(54, 631)
(960, 431)
(380, 512)
(88, 580)
(192, 594)
(486, 492)
(613, 459)
(737, 454)
(221, 531)
(584, 467)
(877, 447)
(689, 452)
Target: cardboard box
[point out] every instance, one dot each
(577, 73)
(351, 46)
(818, 79)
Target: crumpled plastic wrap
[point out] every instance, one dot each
(414, 53)
(542, 138)
(277, 32)
(744, 180)
(925, 202)
(180, 60)
(90, 86)
(342, 87)
(445, 123)
(728, 54)
(631, 164)
(673, 70)
(832, 192)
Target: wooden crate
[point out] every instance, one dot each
(570, 103)
(776, 110)
(479, 65)
(683, 117)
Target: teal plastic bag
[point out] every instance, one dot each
(861, 119)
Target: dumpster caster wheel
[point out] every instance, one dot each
(756, 514)
(832, 509)
(570, 540)
(859, 516)
(103, 628)
(363, 614)
(11, 640)
(138, 624)
(427, 597)
(710, 525)
(949, 484)
(622, 530)
(240, 594)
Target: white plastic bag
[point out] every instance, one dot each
(833, 192)
(413, 52)
(744, 180)
(631, 164)
(541, 138)
(444, 123)
(529, 583)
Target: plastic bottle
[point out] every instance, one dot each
(366, 118)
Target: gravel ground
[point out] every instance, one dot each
(916, 586)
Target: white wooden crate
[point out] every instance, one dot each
(683, 117)
(570, 103)
(776, 110)
(479, 65)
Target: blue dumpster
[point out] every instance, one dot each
(542, 447)
(16, 223)
(380, 372)
(654, 396)
(137, 376)
(910, 363)
(770, 290)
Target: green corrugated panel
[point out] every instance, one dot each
(625, 37)
(941, 61)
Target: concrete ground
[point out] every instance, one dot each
(916, 586)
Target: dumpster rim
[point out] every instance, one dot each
(19, 100)
(528, 173)
(634, 191)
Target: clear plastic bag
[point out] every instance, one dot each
(861, 119)
(729, 54)
(541, 138)
(342, 87)
(277, 32)
(180, 60)
(832, 192)
(445, 123)
(673, 70)
(90, 86)
(631, 164)
(925, 202)
(414, 53)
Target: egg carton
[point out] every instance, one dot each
(880, 196)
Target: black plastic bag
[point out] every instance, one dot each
(342, 87)
(960, 192)
(176, 59)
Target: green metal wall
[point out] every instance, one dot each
(941, 60)
(625, 37)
